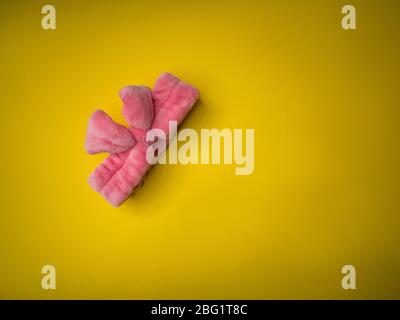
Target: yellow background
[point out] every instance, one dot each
(324, 103)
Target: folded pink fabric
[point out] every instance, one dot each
(123, 171)
(104, 135)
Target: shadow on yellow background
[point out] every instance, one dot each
(324, 104)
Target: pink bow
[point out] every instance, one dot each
(125, 168)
